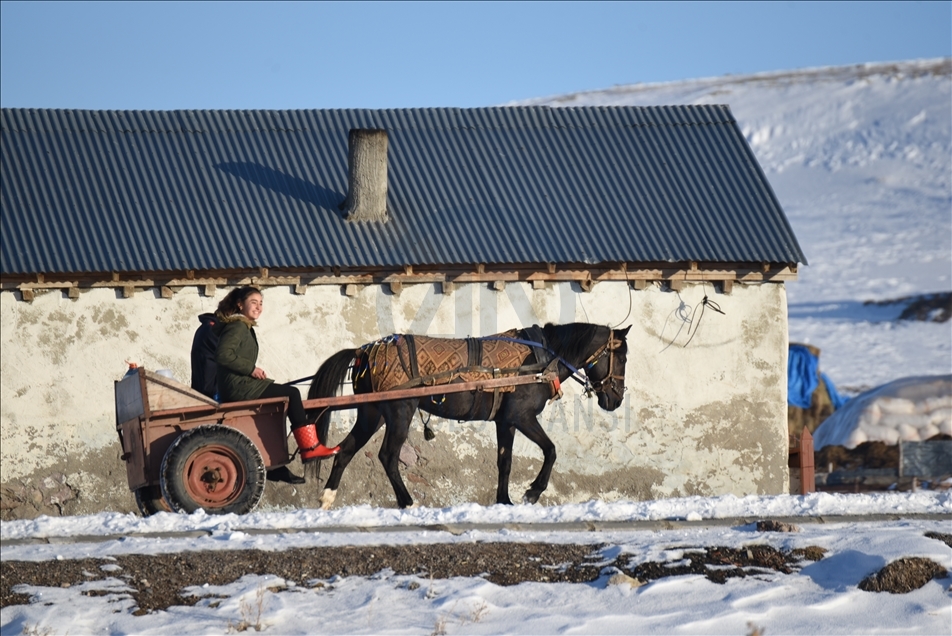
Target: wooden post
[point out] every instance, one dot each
(367, 176)
(807, 473)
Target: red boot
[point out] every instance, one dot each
(310, 446)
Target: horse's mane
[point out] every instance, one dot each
(570, 340)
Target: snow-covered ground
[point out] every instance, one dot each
(822, 598)
(861, 160)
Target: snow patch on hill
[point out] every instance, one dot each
(860, 158)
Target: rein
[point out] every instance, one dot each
(310, 377)
(588, 386)
(575, 375)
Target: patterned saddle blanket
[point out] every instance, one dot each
(404, 361)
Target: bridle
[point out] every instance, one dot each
(610, 346)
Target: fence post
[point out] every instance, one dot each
(807, 475)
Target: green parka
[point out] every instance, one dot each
(236, 356)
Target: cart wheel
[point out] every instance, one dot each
(215, 468)
(149, 499)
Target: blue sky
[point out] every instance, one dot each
(160, 55)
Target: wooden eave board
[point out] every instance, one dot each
(264, 277)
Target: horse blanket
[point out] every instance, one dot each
(405, 361)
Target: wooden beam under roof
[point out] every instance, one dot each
(637, 274)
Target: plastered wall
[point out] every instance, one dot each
(705, 411)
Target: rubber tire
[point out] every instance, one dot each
(149, 500)
(217, 455)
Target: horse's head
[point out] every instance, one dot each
(605, 369)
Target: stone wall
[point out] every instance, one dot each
(705, 412)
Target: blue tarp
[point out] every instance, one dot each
(837, 399)
(803, 379)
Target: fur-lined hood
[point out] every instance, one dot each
(239, 318)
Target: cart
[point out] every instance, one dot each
(184, 451)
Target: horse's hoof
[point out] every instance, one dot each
(531, 497)
(327, 498)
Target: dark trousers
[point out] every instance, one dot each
(295, 406)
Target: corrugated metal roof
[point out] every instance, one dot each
(101, 191)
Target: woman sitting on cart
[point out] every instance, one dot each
(239, 377)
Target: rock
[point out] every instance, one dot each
(417, 479)
(620, 578)
(769, 525)
(941, 536)
(9, 499)
(904, 575)
(810, 553)
(408, 456)
(928, 307)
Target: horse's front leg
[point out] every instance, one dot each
(398, 416)
(505, 433)
(368, 422)
(531, 428)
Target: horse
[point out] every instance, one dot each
(569, 349)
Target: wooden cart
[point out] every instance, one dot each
(185, 451)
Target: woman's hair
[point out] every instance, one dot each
(229, 304)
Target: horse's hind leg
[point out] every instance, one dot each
(398, 416)
(368, 422)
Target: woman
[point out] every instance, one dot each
(239, 377)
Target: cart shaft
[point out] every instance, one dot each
(348, 401)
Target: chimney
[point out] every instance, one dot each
(367, 176)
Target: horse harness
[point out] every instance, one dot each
(609, 347)
(406, 372)
(404, 361)
(474, 356)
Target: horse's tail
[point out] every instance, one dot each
(326, 382)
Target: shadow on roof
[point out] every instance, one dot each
(286, 184)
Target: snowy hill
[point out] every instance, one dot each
(861, 160)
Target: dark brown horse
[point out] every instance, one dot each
(571, 350)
